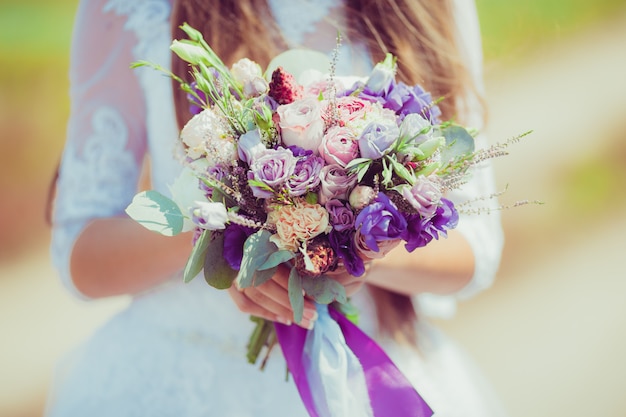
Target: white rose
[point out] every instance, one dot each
(207, 135)
(250, 75)
(301, 124)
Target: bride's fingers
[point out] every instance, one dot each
(262, 302)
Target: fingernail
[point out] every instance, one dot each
(307, 324)
(310, 314)
(284, 321)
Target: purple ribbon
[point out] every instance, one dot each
(391, 394)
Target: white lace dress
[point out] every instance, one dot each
(178, 350)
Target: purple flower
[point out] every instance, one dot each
(343, 245)
(335, 183)
(306, 175)
(218, 172)
(405, 100)
(235, 236)
(272, 167)
(446, 217)
(341, 216)
(250, 145)
(421, 232)
(380, 221)
(377, 139)
(194, 106)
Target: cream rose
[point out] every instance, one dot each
(301, 123)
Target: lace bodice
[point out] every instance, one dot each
(119, 116)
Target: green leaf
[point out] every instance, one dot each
(401, 170)
(276, 259)
(256, 250)
(261, 185)
(324, 289)
(195, 263)
(358, 161)
(431, 146)
(156, 212)
(217, 273)
(349, 310)
(311, 198)
(387, 172)
(458, 143)
(296, 298)
(262, 276)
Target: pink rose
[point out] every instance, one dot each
(301, 123)
(384, 247)
(339, 146)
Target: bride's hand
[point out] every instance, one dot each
(271, 301)
(351, 283)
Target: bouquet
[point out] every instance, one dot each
(319, 174)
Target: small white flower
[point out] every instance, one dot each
(207, 135)
(209, 215)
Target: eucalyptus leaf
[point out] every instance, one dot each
(195, 263)
(256, 251)
(217, 273)
(296, 298)
(262, 276)
(156, 212)
(276, 259)
(324, 289)
(458, 143)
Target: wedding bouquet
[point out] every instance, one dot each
(317, 173)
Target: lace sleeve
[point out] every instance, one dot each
(483, 232)
(106, 139)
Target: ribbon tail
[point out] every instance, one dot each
(291, 340)
(391, 394)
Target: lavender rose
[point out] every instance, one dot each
(301, 123)
(249, 146)
(341, 216)
(273, 167)
(335, 182)
(424, 196)
(380, 221)
(306, 175)
(377, 138)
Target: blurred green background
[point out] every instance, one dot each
(550, 332)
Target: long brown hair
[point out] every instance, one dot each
(420, 33)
